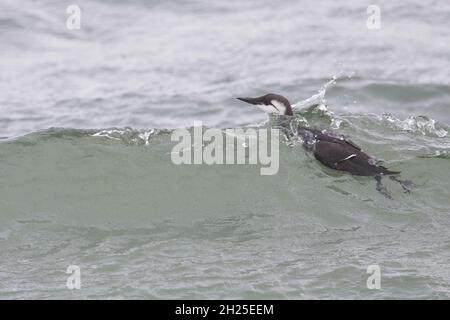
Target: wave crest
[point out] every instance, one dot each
(422, 124)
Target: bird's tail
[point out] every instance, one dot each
(386, 171)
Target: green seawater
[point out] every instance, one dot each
(113, 203)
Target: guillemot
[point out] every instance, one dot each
(333, 151)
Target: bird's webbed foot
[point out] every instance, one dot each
(407, 185)
(381, 188)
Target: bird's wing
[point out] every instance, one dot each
(340, 139)
(344, 157)
(332, 153)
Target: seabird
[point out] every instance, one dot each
(333, 151)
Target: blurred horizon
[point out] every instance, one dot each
(152, 64)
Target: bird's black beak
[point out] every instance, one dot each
(248, 100)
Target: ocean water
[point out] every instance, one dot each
(87, 179)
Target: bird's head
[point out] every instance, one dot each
(271, 103)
